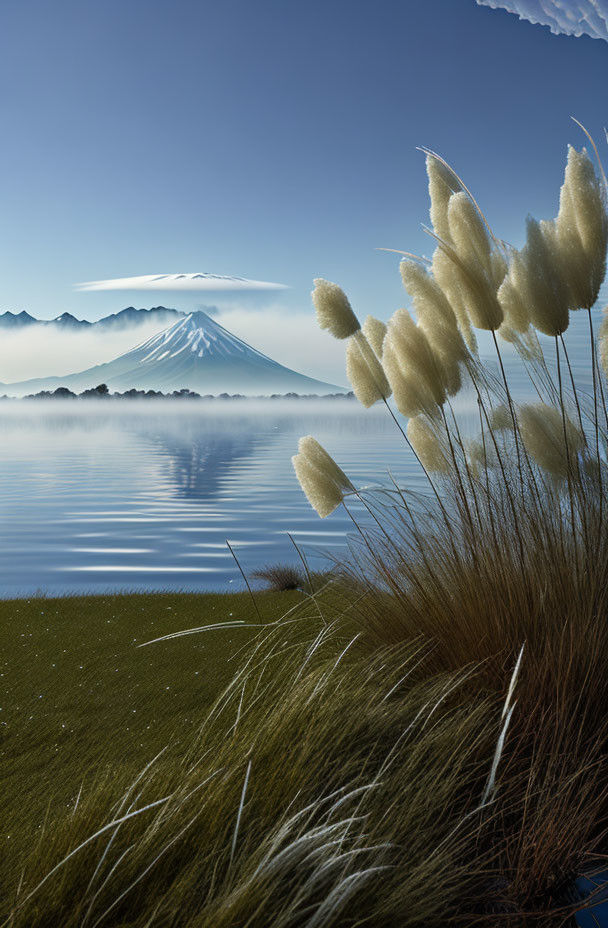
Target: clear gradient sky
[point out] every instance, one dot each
(271, 139)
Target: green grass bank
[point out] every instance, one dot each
(80, 701)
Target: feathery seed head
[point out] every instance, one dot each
(513, 306)
(472, 277)
(365, 371)
(438, 322)
(415, 355)
(322, 480)
(334, 312)
(468, 231)
(501, 419)
(536, 274)
(311, 449)
(582, 229)
(429, 299)
(426, 443)
(498, 267)
(442, 184)
(374, 331)
(542, 431)
(411, 395)
(443, 274)
(583, 200)
(322, 492)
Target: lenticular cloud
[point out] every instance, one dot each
(202, 281)
(566, 17)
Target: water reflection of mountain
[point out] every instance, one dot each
(198, 461)
(201, 453)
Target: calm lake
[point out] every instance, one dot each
(98, 496)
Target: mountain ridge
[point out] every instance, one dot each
(124, 318)
(194, 353)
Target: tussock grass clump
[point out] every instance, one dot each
(510, 545)
(281, 577)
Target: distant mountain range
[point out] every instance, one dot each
(194, 353)
(124, 319)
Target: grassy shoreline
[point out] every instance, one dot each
(274, 770)
(259, 771)
(79, 699)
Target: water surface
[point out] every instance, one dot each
(97, 496)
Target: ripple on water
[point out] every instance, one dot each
(127, 500)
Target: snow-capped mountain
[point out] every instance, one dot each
(194, 353)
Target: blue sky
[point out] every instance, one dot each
(268, 139)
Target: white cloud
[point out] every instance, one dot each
(568, 17)
(180, 282)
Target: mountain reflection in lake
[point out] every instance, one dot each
(144, 495)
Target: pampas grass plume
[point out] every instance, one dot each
(516, 315)
(582, 229)
(374, 331)
(473, 271)
(468, 231)
(501, 418)
(365, 372)
(410, 347)
(542, 430)
(427, 445)
(322, 480)
(442, 184)
(437, 320)
(334, 312)
(410, 395)
(317, 455)
(536, 275)
(443, 273)
(321, 491)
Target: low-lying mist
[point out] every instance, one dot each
(44, 351)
